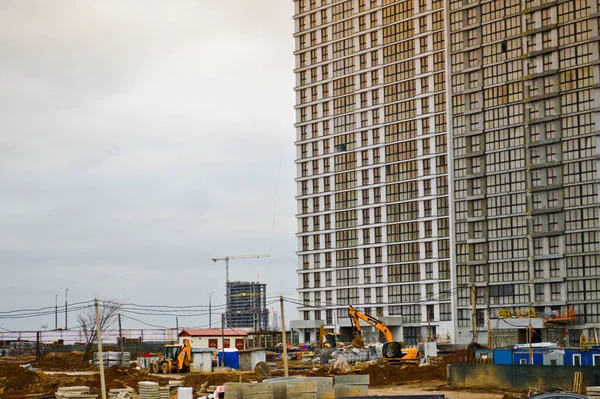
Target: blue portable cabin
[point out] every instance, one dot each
(521, 356)
(582, 356)
(231, 359)
(503, 356)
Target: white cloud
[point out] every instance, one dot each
(138, 140)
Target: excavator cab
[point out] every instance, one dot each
(171, 352)
(392, 350)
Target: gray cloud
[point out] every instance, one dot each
(138, 140)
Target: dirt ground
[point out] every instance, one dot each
(18, 382)
(435, 387)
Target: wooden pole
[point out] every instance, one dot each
(490, 342)
(286, 372)
(121, 342)
(223, 339)
(99, 335)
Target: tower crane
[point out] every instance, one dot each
(227, 259)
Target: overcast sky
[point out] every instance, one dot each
(139, 139)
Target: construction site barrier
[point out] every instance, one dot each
(499, 376)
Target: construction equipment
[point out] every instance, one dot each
(327, 339)
(393, 352)
(175, 359)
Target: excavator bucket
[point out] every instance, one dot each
(358, 342)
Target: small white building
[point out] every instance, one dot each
(213, 338)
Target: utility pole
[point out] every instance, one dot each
(286, 372)
(223, 339)
(474, 315)
(121, 342)
(176, 329)
(490, 343)
(56, 312)
(210, 309)
(66, 292)
(38, 347)
(99, 334)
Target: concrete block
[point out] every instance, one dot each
(326, 394)
(351, 380)
(301, 395)
(259, 388)
(233, 390)
(259, 396)
(323, 383)
(343, 391)
(301, 386)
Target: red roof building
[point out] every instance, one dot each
(213, 338)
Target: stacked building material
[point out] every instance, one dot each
(79, 392)
(125, 393)
(593, 392)
(351, 385)
(149, 390)
(113, 359)
(165, 392)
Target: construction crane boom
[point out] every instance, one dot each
(227, 258)
(227, 288)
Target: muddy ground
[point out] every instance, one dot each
(18, 382)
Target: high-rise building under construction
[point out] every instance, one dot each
(446, 161)
(247, 306)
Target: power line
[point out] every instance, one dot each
(44, 308)
(147, 324)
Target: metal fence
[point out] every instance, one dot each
(132, 347)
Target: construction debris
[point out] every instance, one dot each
(125, 393)
(81, 392)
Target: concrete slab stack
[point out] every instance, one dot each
(165, 392)
(261, 390)
(79, 392)
(233, 390)
(351, 385)
(593, 392)
(149, 390)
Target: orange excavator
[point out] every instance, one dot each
(393, 352)
(175, 359)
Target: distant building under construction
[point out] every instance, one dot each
(247, 305)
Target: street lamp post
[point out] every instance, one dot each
(210, 309)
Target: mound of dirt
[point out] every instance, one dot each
(382, 374)
(63, 361)
(15, 379)
(121, 377)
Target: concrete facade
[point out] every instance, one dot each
(247, 305)
(524, 103)
(447, 150)
(372, 167)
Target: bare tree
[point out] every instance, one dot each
(87, 321)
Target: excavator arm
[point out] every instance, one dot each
(185, 355)
(356, 317)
